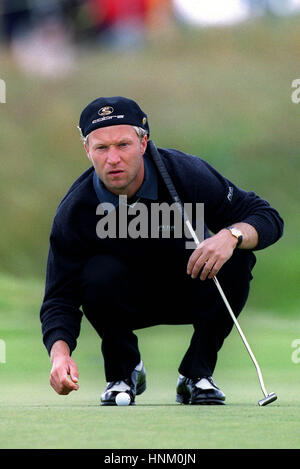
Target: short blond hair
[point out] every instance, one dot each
(139, 131)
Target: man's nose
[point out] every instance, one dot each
(113, 156)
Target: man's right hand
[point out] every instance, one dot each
(64, 372)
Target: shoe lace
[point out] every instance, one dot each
(209, 378)
(119, 383)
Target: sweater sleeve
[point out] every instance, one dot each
(224, 202)
(228, 204)
(60, 312)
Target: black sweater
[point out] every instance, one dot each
(73, 238)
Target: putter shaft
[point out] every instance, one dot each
(242, 336)
(268, 397)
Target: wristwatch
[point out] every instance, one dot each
(237, 233)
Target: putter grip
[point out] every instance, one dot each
(165, 175)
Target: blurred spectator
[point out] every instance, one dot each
(159, 15)
(46, 50)
(16, 17)
(43, 44)
(119, 23)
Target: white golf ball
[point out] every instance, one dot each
(123, 398)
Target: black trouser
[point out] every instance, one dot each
(120, 297)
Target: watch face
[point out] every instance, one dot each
(236, 232)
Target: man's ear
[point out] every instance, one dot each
(144, 144)
(87, 151)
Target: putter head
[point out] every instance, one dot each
(268, 399)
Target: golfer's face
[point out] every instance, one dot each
(117, 155)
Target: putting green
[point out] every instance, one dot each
(32, 415)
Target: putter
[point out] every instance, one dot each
(269, 397)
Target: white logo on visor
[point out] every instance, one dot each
(105, 111)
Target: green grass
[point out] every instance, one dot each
(32, 415)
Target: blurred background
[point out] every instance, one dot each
(214, 77)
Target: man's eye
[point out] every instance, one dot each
(123, 144)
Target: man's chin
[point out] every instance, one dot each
(117, 189)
